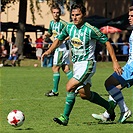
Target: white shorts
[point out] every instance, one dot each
(39, 52)
(84, 70)
(61, 57)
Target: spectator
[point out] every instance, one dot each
(114, 45)
(100, 52)
(13, 55)
(48, 60)
(120, 43)
(27, 46)
(125, 47)
(5, 43)
(13, 38)
(39, 47)
(3, 56)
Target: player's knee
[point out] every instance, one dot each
(83, 97)
(70, 89)
(55, 68)
(108, 82)
(66, 70)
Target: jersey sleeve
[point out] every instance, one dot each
(99, 36)
(63, 34)
(50, 28)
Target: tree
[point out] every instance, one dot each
(21, 19)
(4, 3)
(21, 26)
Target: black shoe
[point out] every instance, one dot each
(111, 110)
(112, 117)
(51, 93)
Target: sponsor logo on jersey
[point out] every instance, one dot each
(54, 33)
(76, 42)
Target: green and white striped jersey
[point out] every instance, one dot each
(83, 40)
(55, 29)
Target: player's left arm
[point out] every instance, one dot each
(116, 66)
(104, 40)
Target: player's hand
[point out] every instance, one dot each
(45, 54)
(117, 68)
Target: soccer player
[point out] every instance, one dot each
(83, 38)
(115, 83)
(61, 54)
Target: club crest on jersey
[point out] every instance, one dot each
(76, 42)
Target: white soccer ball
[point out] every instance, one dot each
(16, 118)
(35, 65)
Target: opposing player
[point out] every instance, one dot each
(61, 54)
(115, 83)
(83, 38)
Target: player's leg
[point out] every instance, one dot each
(71, 86)
(86, 94)
(70, 100)
(94, 97)
(67, 70)
(56, 79)
(80, 75)
(113, 85)
(66, 64)
(57, 62)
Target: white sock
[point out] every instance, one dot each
(106, 114)
(122, 105)
(111, 98)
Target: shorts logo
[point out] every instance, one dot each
(77, 76)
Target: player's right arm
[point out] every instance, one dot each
(59, 40)
(47, 35)
(55, 44)
(49, 32)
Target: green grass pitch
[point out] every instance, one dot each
(23, 88)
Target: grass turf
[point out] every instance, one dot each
(23, 88)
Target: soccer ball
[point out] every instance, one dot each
(35, 65)
(16, 118)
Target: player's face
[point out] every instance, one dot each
(77, 17)
(130, 18)
(56, 14)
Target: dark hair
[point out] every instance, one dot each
(131, 8)
(55, 6)
(80, 6)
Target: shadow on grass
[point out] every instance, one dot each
(107, 123)
(99, 122)
(25, 129)
(128, 122)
